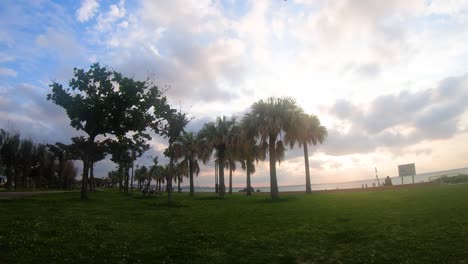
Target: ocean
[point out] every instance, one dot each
(423, 177)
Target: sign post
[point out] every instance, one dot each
(407, 170)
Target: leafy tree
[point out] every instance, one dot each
(101, 101)
(10, 157)
(69, 173)
(124, 150)
(114, 178)
(26, 153)
(307, 131)
(98, 152)
(270, 119)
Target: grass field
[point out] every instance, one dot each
(417, 225)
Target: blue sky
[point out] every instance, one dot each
(388, 79)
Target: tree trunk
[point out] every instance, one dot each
(126, 178)
(216, 177)
(16, 178)
(147, 187)
(248, 179)
(222, 186)
(273, 181)
(131, 181)
(24, 175)
(120, 179)
(61, 181)
(169, 181)
(9, 178)
(92, 183)
(230, 178)
(192, 189)
(306, 161)
(84, 180)
(178, 184)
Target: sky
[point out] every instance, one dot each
(389, 79)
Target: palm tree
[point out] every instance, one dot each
(217, 136)
(270, 119)
(181, 170)
(249, 153)
(188, 150)
(173, 129)
(145, 174)
(233, 154)
(308, 131)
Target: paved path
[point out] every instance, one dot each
(15, 195)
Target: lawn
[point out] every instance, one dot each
(416, 225)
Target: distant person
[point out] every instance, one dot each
(366, 185)
(363, 185)
(388, 181)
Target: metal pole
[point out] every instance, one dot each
(377, 177)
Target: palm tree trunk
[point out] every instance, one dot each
(248, 180)
(192, 189)
(230, 178)
(273, 181)
(169, 181)
(222, 186)
(306, 161)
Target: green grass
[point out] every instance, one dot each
(417, 225)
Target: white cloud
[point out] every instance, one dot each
(6, 57)
(7, 72)
(61, 43)
(105, 22)
(87, 11)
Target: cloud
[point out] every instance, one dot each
(60, 43)
(106, 21)
(6, 57)
(27, 110)
(7, 72)
(87, 10)
(181, 44)
(399, 120)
